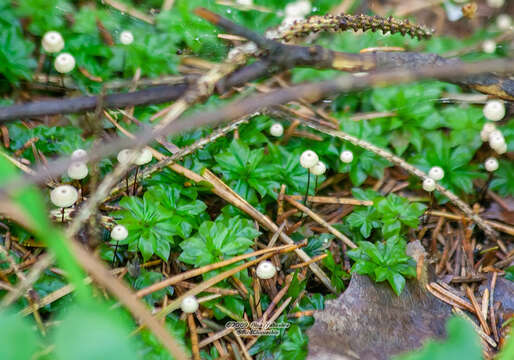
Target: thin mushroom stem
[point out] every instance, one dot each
(308, 184)
(134, 188)
(115, 252)
(430, 205)
(62, 217)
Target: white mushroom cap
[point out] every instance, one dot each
(491, 164)
(489, 46)
(78, 154)
(126, 37)
(487, 129)
(52, 42)
(495, 3)
(144, 157)
(126, 156)
(494, 110)
(266, 270)
(77, 170)
(319, 168)
(64, 63)
(119, 233)
(346, 156)
(308, 159)
(500, 149)
(436, 173)
(504, 22)
(429, 184)
(64, 196)
(189, 304)
(496, 139)
(276, 130)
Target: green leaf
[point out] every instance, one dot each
(462, 343)
(93, 332)
(18, 339)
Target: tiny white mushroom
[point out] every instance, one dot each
(504, 22)
(487, 129)
(144, 156)
(496, 139)
(126, 37)
(64, 63)
(266, 270)
(276, 130)
(189, 304)
(489, 46)
(491, 164)
(429, 184)
(64, 196)
(494, 110)
(495, 3)
(52, 42)
(119, 233)
(500, 149)
(346, 156)
(318, 169)
(78, 154)
(77, 170)
(436, 173)
(126, 156)
(308, 159)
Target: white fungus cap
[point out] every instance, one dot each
(78, 154)
(489, 46)
(429, 184)
(266, 270)
(491, 164)
(500, 149)
(436, 173)
(495, 3)
(346, 156)
(77, 170)
(494, 110)
(189, 304)
(245, 2)
(308, 159)
(487, 129)
(119, 233)
(504, 22)
(298, 9)
(126, 37)
(319, 168)
(276, 130)
(64, 63)
(52, 42)
(64, 196)
(143, 157)
(496, 139)
(126, 156)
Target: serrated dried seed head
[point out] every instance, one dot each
(344, 22)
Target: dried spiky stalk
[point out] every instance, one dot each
(343, 22)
